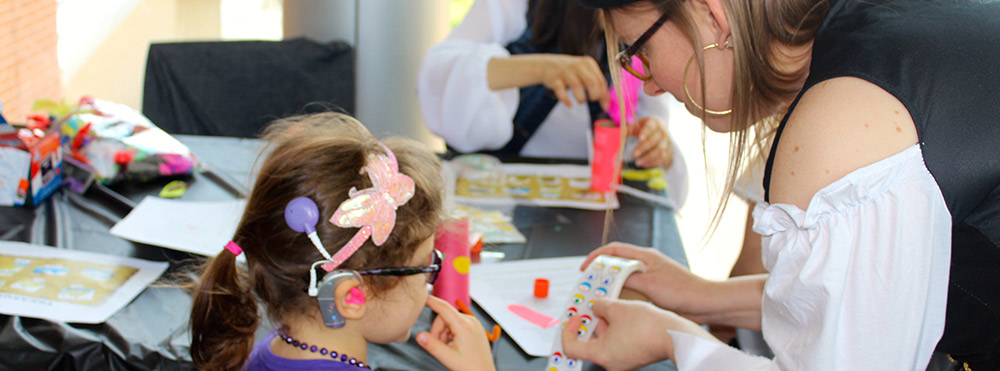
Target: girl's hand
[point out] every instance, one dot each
(629, 334)
(667, 283)
(457, 340)
(654, 147)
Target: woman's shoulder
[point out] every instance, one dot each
(837, 126)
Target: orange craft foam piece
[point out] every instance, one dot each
(541, 288)
(491, 336)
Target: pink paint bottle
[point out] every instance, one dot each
(604, 165)
(452, 240)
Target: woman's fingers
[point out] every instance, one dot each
(619, 249)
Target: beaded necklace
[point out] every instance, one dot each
(333, 354)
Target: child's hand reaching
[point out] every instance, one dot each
(457, 340)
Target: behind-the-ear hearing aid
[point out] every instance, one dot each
(328, 299)
(301, 215)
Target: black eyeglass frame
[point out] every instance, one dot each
(434, 269)
(625, 56)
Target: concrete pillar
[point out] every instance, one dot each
(320, 20)
(390, 38)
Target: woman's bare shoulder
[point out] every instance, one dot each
(838, 126)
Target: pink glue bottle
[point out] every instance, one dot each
(607, 132)
(452, 240)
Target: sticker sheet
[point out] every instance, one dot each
(537, 185)
(494, 226)
(68, 285)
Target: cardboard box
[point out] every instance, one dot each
(28, 173)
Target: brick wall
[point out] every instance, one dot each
(29, 68)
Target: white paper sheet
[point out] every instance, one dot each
(201, 228)
(74, 274)
(495, 286)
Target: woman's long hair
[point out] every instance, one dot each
(760, 90)
(319, 156)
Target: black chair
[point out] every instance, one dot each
(236, 88)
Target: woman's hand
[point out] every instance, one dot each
(457, 340)
(654, 147)
(559, 72)
(629, 334)
(667, 283)
(579, 74)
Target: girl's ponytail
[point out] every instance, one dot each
(223, 317)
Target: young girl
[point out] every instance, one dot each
(329, 164)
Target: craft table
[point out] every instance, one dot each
(151, 332)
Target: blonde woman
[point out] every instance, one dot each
(881, 216)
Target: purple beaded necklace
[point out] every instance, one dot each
(333, 355)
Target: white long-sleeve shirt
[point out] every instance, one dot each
(858, 280)
(459, 106)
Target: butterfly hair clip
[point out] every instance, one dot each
(373, 210)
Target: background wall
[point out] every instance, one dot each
(115, 69)
(29, 68)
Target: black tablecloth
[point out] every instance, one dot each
(151, 333)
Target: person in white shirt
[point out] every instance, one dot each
(523, 77)
(880, 218)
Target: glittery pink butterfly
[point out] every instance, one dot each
(372, 209)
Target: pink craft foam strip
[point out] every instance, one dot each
(532, 316)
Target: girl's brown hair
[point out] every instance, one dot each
(319, 156)
(760, 90)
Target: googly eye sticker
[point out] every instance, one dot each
(600, 292)
(585, 319)
(606, 281)
(577, 299)
(557, 357)
(584, 286)
(590, 276)
(590, 305)
(614, 269)
(570, 362)
(581, 331)
(571, 312)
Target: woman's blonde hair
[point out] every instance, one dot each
(760, 90)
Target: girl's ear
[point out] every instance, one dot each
(350, 298)
(720, 22)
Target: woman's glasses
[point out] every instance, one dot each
(625, 56)
(433, 269)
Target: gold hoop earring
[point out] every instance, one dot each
(688, 92)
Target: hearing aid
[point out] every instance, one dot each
(302, 215)
(327, 296)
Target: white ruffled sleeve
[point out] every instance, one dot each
(454, 93)
(859, 281)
